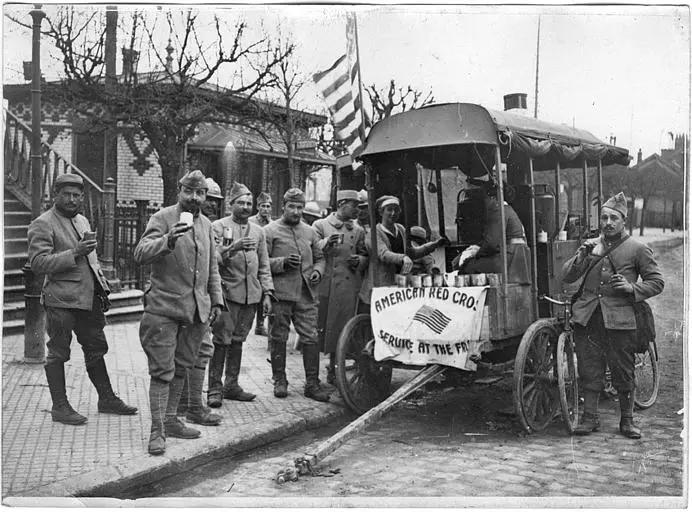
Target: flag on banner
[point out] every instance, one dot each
(435, 319)
(339, 86)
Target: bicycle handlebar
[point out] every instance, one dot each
(554, 301)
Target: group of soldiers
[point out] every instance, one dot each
(211, 276)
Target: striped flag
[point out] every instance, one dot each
(433, 318)
(339, 86)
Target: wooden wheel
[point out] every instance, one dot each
(535, 376)
(567, 380)
(362, 381)
(646, 378)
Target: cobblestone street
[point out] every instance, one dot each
(456, 442)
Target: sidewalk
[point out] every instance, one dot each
(108, 453)
(41, 458)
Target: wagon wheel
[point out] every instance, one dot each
(567, 380)
(362, 382)
(646, 378)
(535, 376)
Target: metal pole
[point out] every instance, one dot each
(34, 315)
(558, 227)
(534, 256)
(600, 184)
(419, 193)
(373, 224)
(585, 176)
(503, 246)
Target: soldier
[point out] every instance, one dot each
(191, 402)
(183, 301)
(75, 296)
(297, 267)
(246, 280)
(605, 327)
(343, 245)
(263, 217)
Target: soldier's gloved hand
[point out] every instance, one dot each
(443, 241)
(248, 243)
(407, 265)
(176, 232)
(214, 314)
(585, 249)
(315, 277)
(84, 247)
(333, 240)
(353, 261)
(620, 284)
(267, 305)
(293, 261)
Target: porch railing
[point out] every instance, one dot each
(130, 221)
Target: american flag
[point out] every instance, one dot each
(433, 318)
(339, 86)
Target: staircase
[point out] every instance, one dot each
(126, 305)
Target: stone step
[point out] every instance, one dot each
(125, 306)
(17, 218)
(14, 205)
(14, 277)
(16, 245)
(13, 293)
(15, 261)
(19, 231)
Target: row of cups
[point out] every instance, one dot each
(460, 280)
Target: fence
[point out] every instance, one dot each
(130, 220)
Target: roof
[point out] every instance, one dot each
(437, 136)
(216, 136)
(668, 165)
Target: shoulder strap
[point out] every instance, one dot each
(595, 262)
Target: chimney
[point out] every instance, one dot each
(516, 100)
(130, 60)
(639, 156)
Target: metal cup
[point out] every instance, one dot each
(461, 280)
(187, 218)
(494, 279)
(400, 280)
(227, 236)
(89, 235)
(479, 279)
(415, 281)
(426, 281)
(341, 239)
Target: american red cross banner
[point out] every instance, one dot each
(421, 326)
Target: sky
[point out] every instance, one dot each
(621, 71)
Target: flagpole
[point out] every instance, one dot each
(538, 50)
(370, 176)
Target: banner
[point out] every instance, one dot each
(421, 326)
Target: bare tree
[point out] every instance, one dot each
(395, 99)
(164, 91)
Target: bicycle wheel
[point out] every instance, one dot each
(646, 378)
(567, 381)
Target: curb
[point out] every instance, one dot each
(117, 478)
(670, 243)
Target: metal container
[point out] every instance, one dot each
(461, 280)
(479, 279)
(426, 280)
(494, 279)
(227, 236)
(415, 281)
(400, 280)
(341, 239)
(438, 280)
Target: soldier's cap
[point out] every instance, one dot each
(386, 201)
(194, 179)
(238, 190)
(312, 209)
(618, 203)
(263, 197)
(294, 195)
(418, 233)
(362, 197)
(213, 189)
(68, 179)
(346, 195)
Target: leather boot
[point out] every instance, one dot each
(158, 398)
(231, 389)
(215, 387)
(175, 427)
(311, 362)
(278, 361)
(589, 421)
(331, 372)
(627, 426)
(61, 411)
(259, 324)
(184, 403)
(197, 412)
(108, 403)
